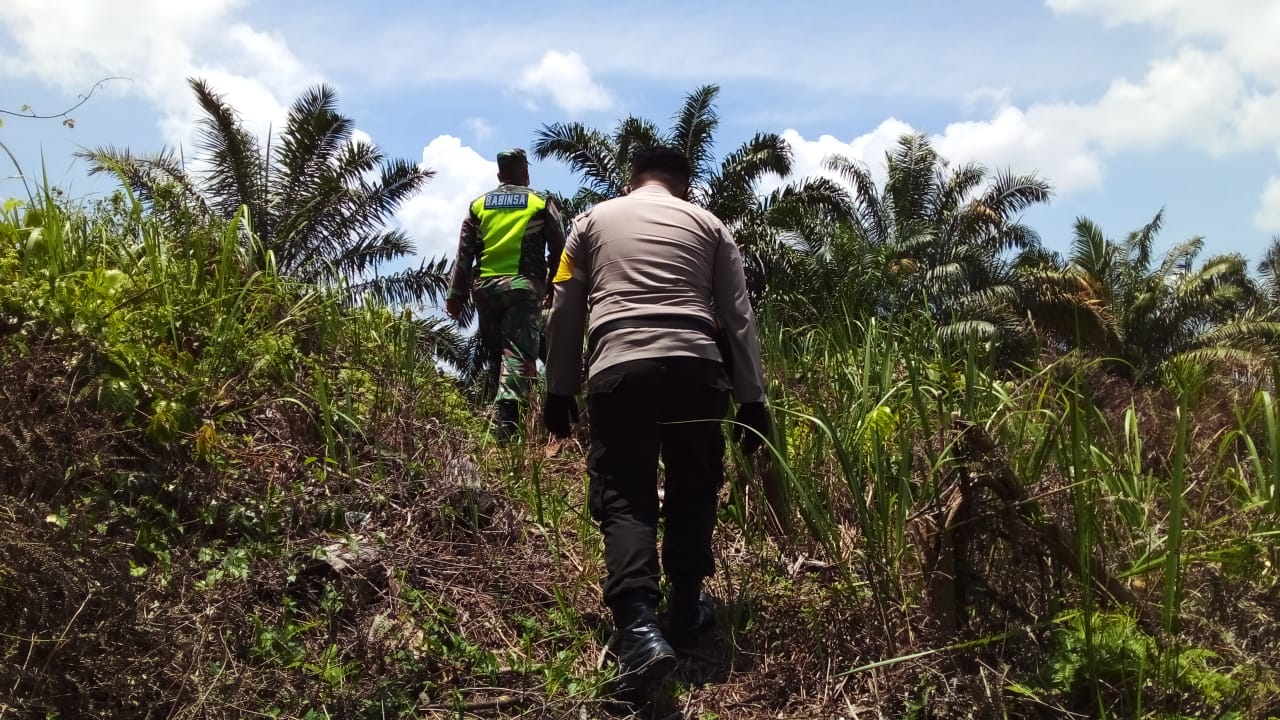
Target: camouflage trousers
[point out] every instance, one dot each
(509, 311)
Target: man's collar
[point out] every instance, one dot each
(653, 188)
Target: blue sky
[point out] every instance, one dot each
(1124, 105)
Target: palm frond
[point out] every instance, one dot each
(1181, 257)
(571, 207)
(1090, 249)
(1269, 271)
(439, 339)
(1016, 236)
(429, 282)
(361, 254)
(477, 372)
(953, 190)
(1244, 332)
(816, 199)
(237, 172)
(313, 138)
(912, 181)
(961, 333)
(633, 134)
(1038, 256)
(1269, 265)
(344, 214)
(159, 181)
(871, 211)
(693, 127)
(1010, 194)
(730, 191)
(1138, 246)
(1220, 357)
(587, 151)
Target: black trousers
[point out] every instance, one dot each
(642, 410)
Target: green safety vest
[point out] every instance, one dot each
(504, 216)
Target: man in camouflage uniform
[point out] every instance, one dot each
(508, 251)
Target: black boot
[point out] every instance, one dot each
(689, 611)
(644, 658)
(508, 420)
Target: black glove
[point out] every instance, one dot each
(559, 414)
(755, 417)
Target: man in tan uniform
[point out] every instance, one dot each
(662, 279)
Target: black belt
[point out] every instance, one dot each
(668, 322)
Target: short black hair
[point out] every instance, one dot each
(667, 162)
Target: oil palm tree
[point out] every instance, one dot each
(1269, 278)
(803, 252)
(319, 200)
(728, 188)
(602, 160)
(1118, 300)
(952, 239)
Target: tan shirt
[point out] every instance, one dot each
(650, 253)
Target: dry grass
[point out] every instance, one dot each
(423, 567)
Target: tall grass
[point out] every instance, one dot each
(866, 442)
(194, 318)
(197, 330)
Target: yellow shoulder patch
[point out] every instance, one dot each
(565, 272)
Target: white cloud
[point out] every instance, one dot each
(359, 137)
(158, 44)
(267, 56)
(1222, 91)
(1179, 100)
(259, 107)
(1245, 29)
(566, 79)
(85, 39)
(434, 215)
(161, 43)
(1268, 216)
(480, 128)
(1025, 142)
(986, 98)
(868, 149)
(1214, 100)
(1007, 140)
